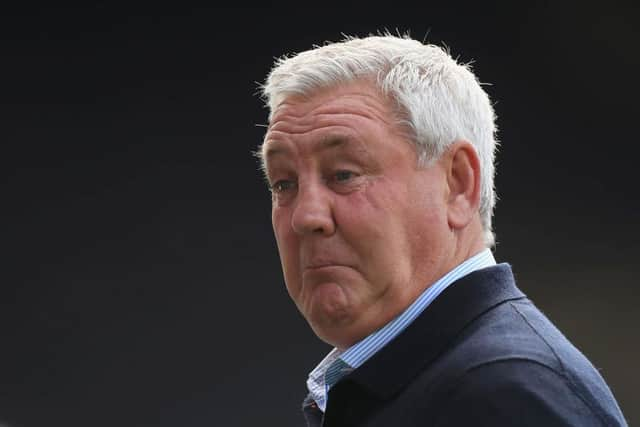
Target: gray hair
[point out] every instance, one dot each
(439, 100)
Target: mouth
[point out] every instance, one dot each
(323, 265)
(324, 268)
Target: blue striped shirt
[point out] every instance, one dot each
(339, 363)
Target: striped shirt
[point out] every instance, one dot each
(338, 363)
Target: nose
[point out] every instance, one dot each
(313, 211)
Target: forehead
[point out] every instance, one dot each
(357, 95)
(329, 117)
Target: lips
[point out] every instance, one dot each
(317, 265)
(322, 258)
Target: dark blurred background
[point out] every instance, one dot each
(140, 283)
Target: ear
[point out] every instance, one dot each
(463, 179)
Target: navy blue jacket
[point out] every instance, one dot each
(480, 355)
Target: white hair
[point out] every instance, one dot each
(439, 100)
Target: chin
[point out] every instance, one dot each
(328, 302)
(330, 319)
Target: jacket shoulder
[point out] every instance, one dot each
(517, 392)
(513, 359)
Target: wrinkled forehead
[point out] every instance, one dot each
(357, 97)
(305, 85)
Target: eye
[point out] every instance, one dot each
(342, 176)
(282, 186)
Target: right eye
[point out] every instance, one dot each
(282, 186)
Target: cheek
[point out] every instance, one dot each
(427, 218)
(287, 246)
(389, 224)
(278, 222)
(372, 223)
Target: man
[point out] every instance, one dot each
(379, 154)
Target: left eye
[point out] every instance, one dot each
(343, 175)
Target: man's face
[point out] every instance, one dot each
(360, 228)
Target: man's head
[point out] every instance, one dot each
(379, 153)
